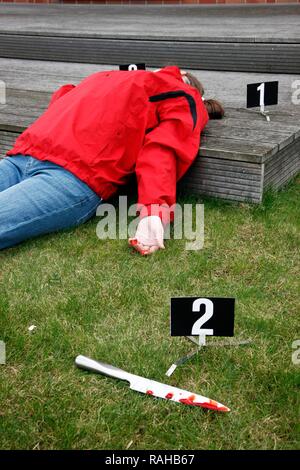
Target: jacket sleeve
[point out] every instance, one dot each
(168, 151)
(60, 92)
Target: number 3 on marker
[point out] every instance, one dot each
(209, 311)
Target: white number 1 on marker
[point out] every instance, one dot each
(209, 311)
(261, 89)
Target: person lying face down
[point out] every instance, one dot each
(91, 139)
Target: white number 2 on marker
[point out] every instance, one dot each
(261, 89)
(209, 311)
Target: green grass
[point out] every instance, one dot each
(100, 299)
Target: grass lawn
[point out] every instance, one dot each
(101, 299)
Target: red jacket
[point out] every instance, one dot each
(115, 123)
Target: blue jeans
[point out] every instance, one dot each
(38, 197)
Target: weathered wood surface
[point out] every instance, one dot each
(6, 141)
(279, 171)
(207, 55)
(249, 23)
(226, 179)
(243, 39)
(260, 125)
(241, 131)
(42, 75)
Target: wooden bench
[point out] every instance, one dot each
(240, 156)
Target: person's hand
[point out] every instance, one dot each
(149, 236)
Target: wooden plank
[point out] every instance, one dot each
(284, 178)
(283, 160)
(287, 115)
(226, 165)
(7, 133)
(256, 23)
(246, 192)
(291, 153)
(281, 177)
(283, 167)
(225, 194)
(208, 56)
(282, 171)
(49, 75)
(7, 136)
(214, 175)
(250, 135)
(206, 171)
(13, 114)
(216, 185)
(230, 182)
(236, 168)
(10, 123)
(6, 144)
(35, 99)
(260, 124)
(238, 174)
(236, 149)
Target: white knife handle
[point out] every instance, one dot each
(106, 369)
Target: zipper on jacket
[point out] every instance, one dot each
(177, 94)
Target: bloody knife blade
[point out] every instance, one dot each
(150, 387)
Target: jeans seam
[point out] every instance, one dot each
(90, 213)
(27, 166)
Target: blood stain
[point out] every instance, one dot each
(211, 405)
(169, 396)
(149, 392)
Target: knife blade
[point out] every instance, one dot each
(150, 387)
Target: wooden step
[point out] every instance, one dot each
(253, 39)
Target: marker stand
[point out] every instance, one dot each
(200, 341)
(264, 113)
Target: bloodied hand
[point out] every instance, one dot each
(149, 236)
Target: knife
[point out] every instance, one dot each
(150, 387)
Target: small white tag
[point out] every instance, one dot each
(2, 352)
(171, 370)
